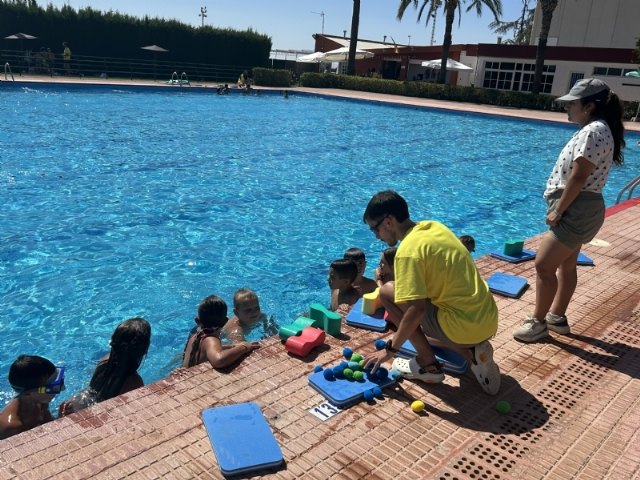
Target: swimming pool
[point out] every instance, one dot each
(125, 202)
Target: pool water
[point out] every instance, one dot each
(121, 203)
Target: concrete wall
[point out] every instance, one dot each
(592, 23)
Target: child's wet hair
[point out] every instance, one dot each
(28, 371)
(355, 254)
(212, 312)
(389, 255)
(242, 295)
(468, 241)
(345, 268)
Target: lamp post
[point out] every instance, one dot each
(203, 14)
(322, 15)
(409, 40)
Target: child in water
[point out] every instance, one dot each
(246, 307)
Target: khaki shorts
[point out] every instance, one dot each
(581, 222)
(431, 326)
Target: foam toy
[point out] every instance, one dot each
(295, 328)
(371, 302)
(513, 248)
(302, 345)
(417, 406)
(325, 319)
(347, 352)
(503, 407)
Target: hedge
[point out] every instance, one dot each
(267, 77)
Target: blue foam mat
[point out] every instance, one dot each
(584, 260)
(507, 284)
(375, 322)
(452, 362)
(343, 392)
(522, 257)
(241, 439)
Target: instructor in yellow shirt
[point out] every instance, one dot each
(439, 297)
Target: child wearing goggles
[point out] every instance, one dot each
(36, 381)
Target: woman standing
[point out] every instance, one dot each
(575, 206)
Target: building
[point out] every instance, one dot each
(587, 38)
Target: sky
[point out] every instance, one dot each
(291, 23)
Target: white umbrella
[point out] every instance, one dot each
(451, 64)
(342, 55)
(633, 73)
(315, 57)
(154, 48)
(20, 36)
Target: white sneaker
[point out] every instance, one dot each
(558, 323)
(531, 330)
(485, 369)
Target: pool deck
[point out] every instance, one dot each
(575, 399)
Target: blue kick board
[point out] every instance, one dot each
(584, 260)
(507, 284)
(525, 255)
(375, 322)
(342, 392)
(452, 362)
(241, 438)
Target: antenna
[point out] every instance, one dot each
(203, 14)
(322, 15)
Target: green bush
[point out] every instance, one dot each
(430, 90)
(267, 77)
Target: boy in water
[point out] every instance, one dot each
(204, 344)
(361, 283)
(246, 307)
(36, 381)
(342, 274)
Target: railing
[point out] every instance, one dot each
(630, 187)
(91, 66)
(8, 67)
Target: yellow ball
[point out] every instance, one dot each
(417, 406)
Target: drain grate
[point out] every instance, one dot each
(472, 469)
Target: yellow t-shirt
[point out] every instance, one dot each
(431, 263)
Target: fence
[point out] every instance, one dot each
(26, 62)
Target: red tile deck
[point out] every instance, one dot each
(575, 402)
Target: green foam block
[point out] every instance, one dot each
(296, 327)
(513, 248)
(325, 319)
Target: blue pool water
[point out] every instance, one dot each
(122, 203)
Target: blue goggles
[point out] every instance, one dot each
(54, 385)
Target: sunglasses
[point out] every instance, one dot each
(375, 228)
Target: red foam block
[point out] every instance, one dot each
(302, 345)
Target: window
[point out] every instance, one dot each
(516, 76)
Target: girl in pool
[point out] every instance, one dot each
(204, 344)
(117, 372)
(575, 207)
(384, 272)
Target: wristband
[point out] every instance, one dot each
(388, 347)
(555, 210)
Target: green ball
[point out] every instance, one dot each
(503, 407)
(358, 375)
(348, 373)
(356, 357)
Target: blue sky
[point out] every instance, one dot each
(290, 23)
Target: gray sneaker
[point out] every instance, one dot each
(531, 330)
(557, 323)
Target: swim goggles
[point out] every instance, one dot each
(52, 387)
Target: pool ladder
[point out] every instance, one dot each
(630, 187)
(8, 67)
(182, 80)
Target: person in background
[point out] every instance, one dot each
(205, 345)
(575, 206)
(469, 242)
(247, 315)
(66, 56)
(36, 381)
(342, 274)
(361, 283)
(117, 372)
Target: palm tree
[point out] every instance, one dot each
(520, 27)
(547, 6)
(450, 7)
(355, 24)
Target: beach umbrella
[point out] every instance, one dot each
(451, 65)
(155, 49)
(21, 37)
(342, 55)
(315, 57)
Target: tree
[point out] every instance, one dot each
(450, 7)
(636, 52)
(520, 27)
(353, 44)
(547, 7)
